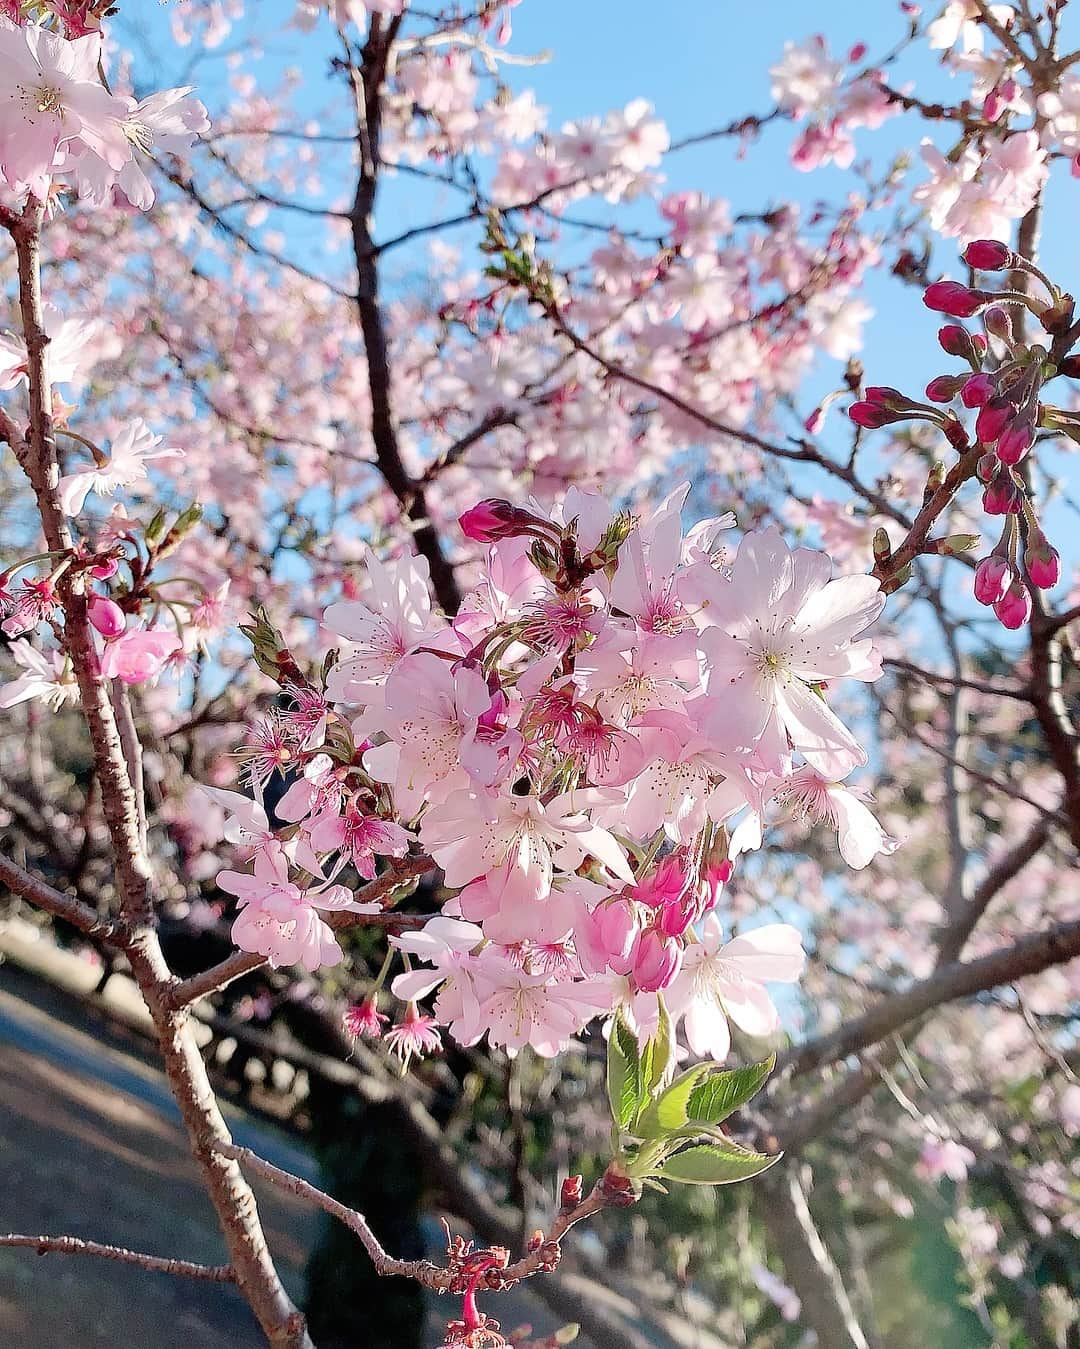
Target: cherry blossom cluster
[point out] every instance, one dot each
(144, 621)
(584, 752)
(992, 176)
(61, 126)
(1004, 384)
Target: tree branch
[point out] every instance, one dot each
(43, 896)
(234, 967)
(1029, 955)
(185, 1269)
(367, 91)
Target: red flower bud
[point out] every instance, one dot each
(871, 415)
(106, 615)
(951, 297)
(987, 466)
(993, 576)
(1014, 608)
(954, 431)
(954, 340)
(1042, 562)
(998, 323)
(977, 391)
(102, 571)
(944, 388)
(993, 419)
(1015, 441)
(988, 255)
(495, 519)
(1002, 495)
(571, 1194)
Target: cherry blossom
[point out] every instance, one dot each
(45, 678)
(132, 450)
(726, 981)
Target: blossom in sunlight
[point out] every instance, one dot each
(726, 981)
(132, 450)
(414, 1036)
(51, 96)
(45, 677)
(66, 352)
(772, 633)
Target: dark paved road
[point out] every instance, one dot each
(90, 1145)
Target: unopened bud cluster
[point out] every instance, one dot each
(1003, 385)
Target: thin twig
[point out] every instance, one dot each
(158, 1264)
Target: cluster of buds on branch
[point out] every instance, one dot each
(1004, 386)
(143, 623)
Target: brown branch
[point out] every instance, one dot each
(962, 979)
(1051, 711)
(889, 570)
(43, 896)
(238, 964)
(429, 1275)
(810, 1269)
(367, 91)
(954, 682)
(423, 1272)
(233, 1201)
(185, 1269)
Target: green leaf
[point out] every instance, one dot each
(715, 1164)
(722, 1093)
(658, 1054)
(625, 1090)
(669, 1112)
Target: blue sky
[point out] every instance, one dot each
(701, 63)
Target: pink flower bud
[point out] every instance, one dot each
(103, 571)
(1015, 441)
(993, 106)
(993, 576)
(1042, 562)
(977, 391)
(616, 926)
(1014, 608)
(988, 465)
(656, 962)
(885, 396)
(871, 415)
(857, 52)
(992, 419)
(106, 615)
(813, 423)
(998, 323)
(944, 388)
(495, 519)
(978, 341)
(951, 297)
(954, 340)
(1002, 495)
(988, 255)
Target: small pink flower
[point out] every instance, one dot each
(364, 1021)
(139, 655)
(106, 616)
(1014, 608)
(415, 1035)
(33, 603)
